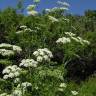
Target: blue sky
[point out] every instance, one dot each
(77, 6)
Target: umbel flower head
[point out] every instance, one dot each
(4, 94)
(78, 39)
(4, 45)
(43, 54)
(55, 9)
(24, 85)
(17, 48)
(36, 1)
(31, 10)
(58, 8)
(28, 63)
(74, 93)
(16, 80)
(33, 13)
(24, 29)
(72, 37)
(8, 49)
(64, 6)
(63, 40)
(17, 92)
(63, 85)
(63, 3)
(5, 52)
(11, 72)
(23, 26)
(31, 7)
(70, 34)
(53, 19)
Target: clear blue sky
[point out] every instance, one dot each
(77, 6)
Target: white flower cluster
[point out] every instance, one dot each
(63, 6)
(24, 85)
(31, 7)
(63, 3)
(4, 94)
(36, 1)
(37, 28)
(77, 39)
(63, 40)
(47, 10)
(17, 92)
(17, 48)
(65, 19)
(53, 19)
(71, 36)
(55, 9)
(11, 72)
(28, 63)
(82, 41)
(74, 93)
(31, 10)
(16, 80)
(21, 88)
(24, 29)
(5, 52)
(62, 87)
(43, 54)
(5, 45)
(10, 51)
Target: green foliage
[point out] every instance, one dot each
(88, 88)
(5, 62)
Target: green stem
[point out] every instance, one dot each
(30, 73)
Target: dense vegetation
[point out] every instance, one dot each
(69, 66)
